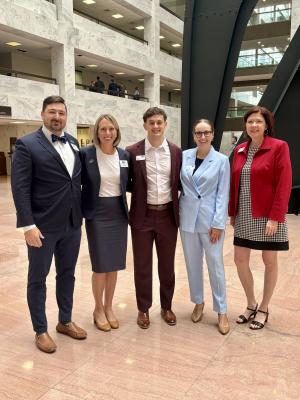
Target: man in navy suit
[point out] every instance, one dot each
(46, 187)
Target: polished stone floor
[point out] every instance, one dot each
(186, 362)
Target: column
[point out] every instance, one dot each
(151, 34)
(295, 17)
(62, 59)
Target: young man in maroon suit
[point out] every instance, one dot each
(154, 214)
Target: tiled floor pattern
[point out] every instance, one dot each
(185, 362)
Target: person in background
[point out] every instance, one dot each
(136, 94)
(99, 85)
(259, 194)
(105, 169)
(205, 176)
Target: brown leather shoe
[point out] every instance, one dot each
(72, 330)
(168, 316)
(44, 342)
(197, 313)
(143, 320)
(223, 324)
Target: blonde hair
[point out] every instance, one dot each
(111, 119)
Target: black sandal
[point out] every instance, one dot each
(259, 325)
(244, 319)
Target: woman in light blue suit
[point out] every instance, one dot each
(205, 176)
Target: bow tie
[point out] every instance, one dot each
(61, 139)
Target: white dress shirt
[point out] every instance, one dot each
(64, 150)
(109, 167)
(66, 154)
(158, 167)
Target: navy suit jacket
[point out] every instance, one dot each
(91, 179)
(44, 193)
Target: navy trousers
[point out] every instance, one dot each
(65, 248)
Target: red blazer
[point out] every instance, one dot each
(138, 182)
(270, 179)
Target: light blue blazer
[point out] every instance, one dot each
(204, 197)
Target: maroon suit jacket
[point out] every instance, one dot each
(138, 182)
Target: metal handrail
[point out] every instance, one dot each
(98, 21)
(171, 12)
(19, 74)
(274, 12)
(105, 91)
(257, 60)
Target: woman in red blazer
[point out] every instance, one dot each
(259, 194)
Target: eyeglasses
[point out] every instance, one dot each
(204, 133)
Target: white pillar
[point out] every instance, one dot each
(62, 59)
(151, 34)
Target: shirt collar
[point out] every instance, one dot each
(48, 133)
(164, 146)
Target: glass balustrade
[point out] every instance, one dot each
(258, 60)
(276, 15)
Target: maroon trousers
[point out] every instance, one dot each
(158, 227)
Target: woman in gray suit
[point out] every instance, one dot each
(104, 181)
(204, 175)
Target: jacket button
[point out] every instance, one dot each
(199, 197)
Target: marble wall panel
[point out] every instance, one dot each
(24, 96)
(173, 132)
(295, 20)
(28, 21)
(41, 7)
(140, 6)
(170, 21)
(170, 67)
(99, 40)
(89, 106)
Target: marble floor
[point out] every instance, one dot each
(186, 362)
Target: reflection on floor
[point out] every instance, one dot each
(186, 362)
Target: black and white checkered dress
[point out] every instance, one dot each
(248, 231)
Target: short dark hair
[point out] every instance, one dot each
(207, 121)
(154, 111)
(267, 115)
(53, 99)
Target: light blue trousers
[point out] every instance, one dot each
(194, 245)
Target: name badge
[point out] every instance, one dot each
(141, 157)
(123, 163)
(74, 147)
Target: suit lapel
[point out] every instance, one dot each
(173, 163)
(205, 164)
(77, 162)
(48, 146)
(142, 163)
(123, 170)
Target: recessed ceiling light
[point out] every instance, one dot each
(262, 45)
(140, 27)
(162, 37)
(258, 42)
(88, 1)
(92, 65)
(141, 79)
(117, 16)
(176, 45)
(178, 90)
(120, 73)
(17, 122)
(14, 44)
(162, 84)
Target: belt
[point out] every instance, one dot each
(159, 207)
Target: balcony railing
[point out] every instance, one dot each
(259, 60)
(268, 17)
(105, 91)
(237, 112)
(98, 21)
(26, 75)
(177, 13)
